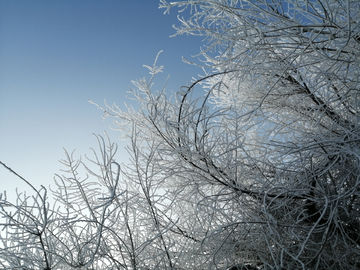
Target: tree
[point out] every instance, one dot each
(98, 224)
(271, 150)
(254, 165)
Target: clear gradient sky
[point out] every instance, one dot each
(55, 55)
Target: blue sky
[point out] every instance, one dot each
(55, 55)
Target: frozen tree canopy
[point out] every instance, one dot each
(255, 165)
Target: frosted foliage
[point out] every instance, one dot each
(254, 165)
(279, 123)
